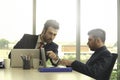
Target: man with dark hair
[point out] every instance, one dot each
(100, 60)
(47, 36)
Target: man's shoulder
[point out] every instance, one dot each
(29, 35)
(54, 44)
(107, 53)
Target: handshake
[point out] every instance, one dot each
(55, 58)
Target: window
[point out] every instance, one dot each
(64, 11)
(15, 20)
(99, 14)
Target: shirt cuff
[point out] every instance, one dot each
(56, 61)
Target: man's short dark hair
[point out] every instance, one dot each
(98, 33)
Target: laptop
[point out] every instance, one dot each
(16, 60)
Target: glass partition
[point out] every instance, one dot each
(15, 20)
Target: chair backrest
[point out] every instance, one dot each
(109, 70)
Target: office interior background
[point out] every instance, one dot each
(76, 18)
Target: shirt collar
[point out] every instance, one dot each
(100, 49)
(39, 40)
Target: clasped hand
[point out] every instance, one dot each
(52, 55)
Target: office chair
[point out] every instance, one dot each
(109, 70)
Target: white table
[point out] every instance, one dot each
(34, 74)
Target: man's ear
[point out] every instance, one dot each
(98, 41)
